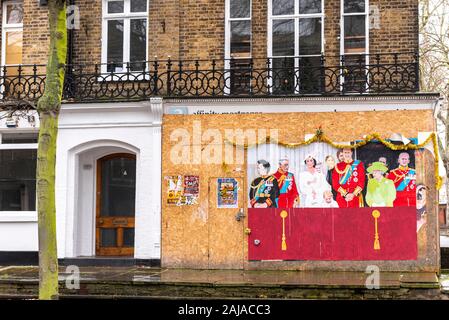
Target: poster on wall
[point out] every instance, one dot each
(191, 190)
(182, 190)
(325, 203)
(227, 193)
(174, 189)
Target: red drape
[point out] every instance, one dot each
(333, 234)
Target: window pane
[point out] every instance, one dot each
(283, 75)
(18, 180)
(240, 8)
(118, 187)
(138, 43)
(241, 39)
(354, 34)
(116, 6)
(309, 6)
(310, 36)
(351, 6)
(138, 5)
(8, 138)
(13, 47)
(14, 13)
(115, 44)
(128, 237)
(281, 7)
(283, 37)
(108, 237)
(309, 75)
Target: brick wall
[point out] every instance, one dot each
(35, 33)
(190, 29)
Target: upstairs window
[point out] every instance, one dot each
(295, 44)
(238, 29)
(125, 24)
(354, 44)
(12, 35)
(354, 27)
(238, 45)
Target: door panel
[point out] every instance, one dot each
(116, 197)
(226, 234)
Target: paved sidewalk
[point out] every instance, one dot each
(144, 282)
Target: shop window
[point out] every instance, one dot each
(125, 40)
(238, 45)
(18, 179)
(295, 45)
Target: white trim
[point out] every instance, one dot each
(18, 146)
(126, 16)
(18, 216)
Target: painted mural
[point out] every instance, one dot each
(317, 202)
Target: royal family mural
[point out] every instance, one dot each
(316, 201)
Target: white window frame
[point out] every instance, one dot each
(8, 28)
(296, 17)
(228, 21)
(126, 16)
(19, 216)
(342, 35)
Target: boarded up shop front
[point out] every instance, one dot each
(279, 187)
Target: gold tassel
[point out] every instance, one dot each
(284, 215)
(376, 215)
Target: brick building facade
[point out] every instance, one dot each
(139, 70)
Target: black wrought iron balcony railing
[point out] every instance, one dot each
(276, 76)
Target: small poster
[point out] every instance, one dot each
(182, 190)
(227, 193)
(191, 190)
(174, 189)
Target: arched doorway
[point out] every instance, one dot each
(115, 205)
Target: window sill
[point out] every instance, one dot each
(18, 216)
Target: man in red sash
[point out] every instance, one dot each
(289, 196)
(348, 179)
(404, 179)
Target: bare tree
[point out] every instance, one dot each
(434, 68)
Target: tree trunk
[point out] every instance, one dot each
(48, 108)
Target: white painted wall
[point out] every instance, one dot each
(18, 236)
(87, 133)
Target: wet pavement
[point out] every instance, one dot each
(22, 282)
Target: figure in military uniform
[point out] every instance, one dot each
(289, 196)
(264, 190)
(348, 179)
(404, 179)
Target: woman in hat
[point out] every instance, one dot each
(381, 191)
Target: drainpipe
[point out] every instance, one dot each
(70, 45)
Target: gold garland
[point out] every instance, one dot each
(321, 137)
